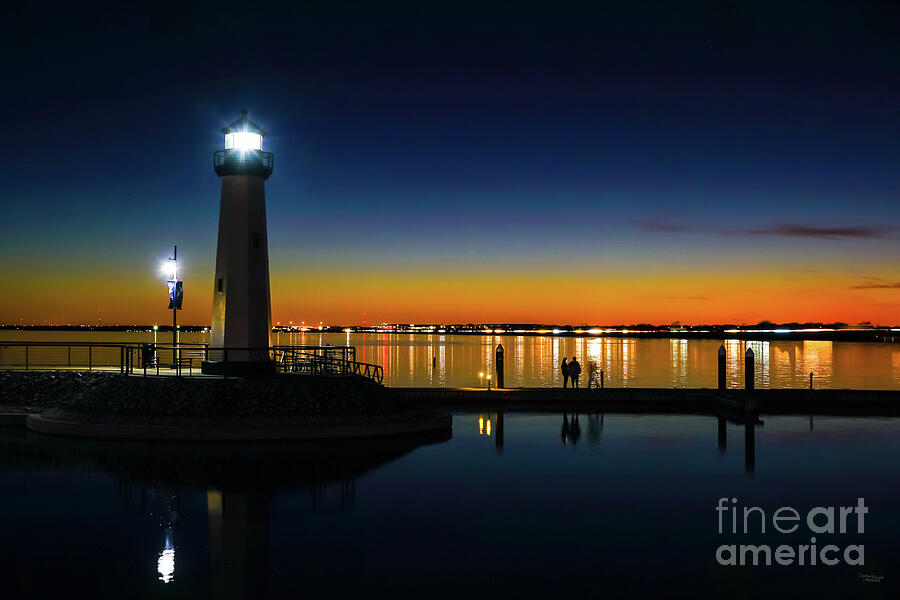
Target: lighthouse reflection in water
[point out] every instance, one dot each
(165, 564)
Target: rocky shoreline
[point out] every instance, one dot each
(285, 400)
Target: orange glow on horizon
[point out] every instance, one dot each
(424, 296)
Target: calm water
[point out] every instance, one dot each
(618, 503)
(531, 361)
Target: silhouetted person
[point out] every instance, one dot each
(574, 371)
(564, 368)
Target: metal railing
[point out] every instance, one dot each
(183, 359)
(251, 162)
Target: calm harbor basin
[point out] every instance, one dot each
(522, 504)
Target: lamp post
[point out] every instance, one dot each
(176, 295)
(172, 304)
(481, 380)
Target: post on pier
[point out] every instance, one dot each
(748, 369)
(723, 354)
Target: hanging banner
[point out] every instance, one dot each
(176, 294)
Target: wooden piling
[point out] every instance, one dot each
(748, 369)
(722, 367)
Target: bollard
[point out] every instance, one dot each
(499, 362)
(722, 367)
(748, 369)
(810, 380)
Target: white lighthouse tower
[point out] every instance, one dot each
(242, 309)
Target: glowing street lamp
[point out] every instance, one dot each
(489, 381)
(176, 295)
(481, 380)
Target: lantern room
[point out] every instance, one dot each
(243, 134)
(243, 153)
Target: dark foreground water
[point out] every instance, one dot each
(524, 505)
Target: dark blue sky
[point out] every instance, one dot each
(591, 142)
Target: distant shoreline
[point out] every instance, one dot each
(880, 334)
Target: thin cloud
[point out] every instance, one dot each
(888, 285)
(871, 282)
(779, 230)
(826, 233)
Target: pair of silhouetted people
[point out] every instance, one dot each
(570, 370)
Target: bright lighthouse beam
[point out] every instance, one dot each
(243, 140)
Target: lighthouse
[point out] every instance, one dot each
(242, 309)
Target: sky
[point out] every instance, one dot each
(631, 162)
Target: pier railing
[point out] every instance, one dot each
(325, 360)
(182, 359)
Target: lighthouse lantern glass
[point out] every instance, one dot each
(243, 140)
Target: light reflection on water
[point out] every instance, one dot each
(533, 361)
(602, 502)
(442, 360)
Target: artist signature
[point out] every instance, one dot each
(865, 578)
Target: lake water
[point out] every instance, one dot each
(532, 361)
(619, 505)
